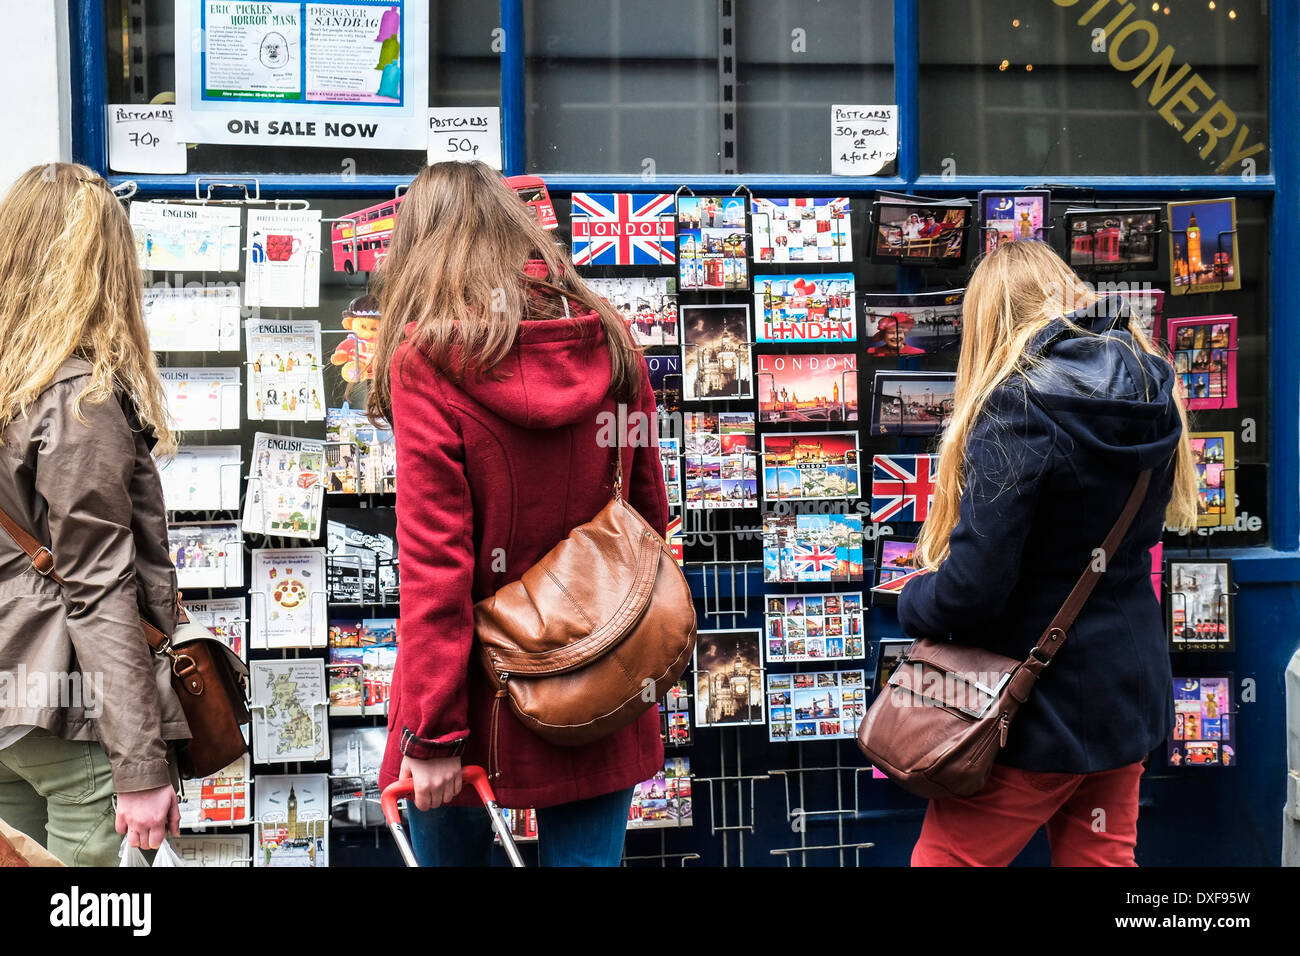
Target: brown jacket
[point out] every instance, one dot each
(90, 492)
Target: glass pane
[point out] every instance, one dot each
(622, 86)
(465, 71)
(1025, 89)
(797, 58)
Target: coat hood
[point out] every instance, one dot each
(557, 373)
(1103, 391)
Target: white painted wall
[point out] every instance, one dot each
(34, 77)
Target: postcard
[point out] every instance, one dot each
(816, 705)
(713, 244)
(1146, 306)
(292, 827)
(728, 678)
(922, 324)
(813, 627)
(902, 487)
(670, 460)
(290, 699)
(202, 478)
(812, 548)
(1203, 722)
(1200, 605)
(285, 379)
(1112, 238)
(288, 598)
(1203, 246)
(805, 308)
(207, 554)
(896, 565)
(1216, 486)
(285, 495)
(808, 388)
(647, 304)
(666, 381)
(226, 618)
(192, 319)
(219, 799)
(716, 353)
(811, 466)
(912, 404)
(282, 266)
(802, 230)
(186, 237)
(623, 229)
(919, 232)
(1205, 360)
(1017, 214)
(720, 460)
(202, 399)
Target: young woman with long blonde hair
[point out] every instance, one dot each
(1060, 402)
(496, 365)
(81, 411)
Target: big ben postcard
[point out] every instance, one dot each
(1203, 246)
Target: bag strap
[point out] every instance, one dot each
(42, 557)
(1054, 636)
(43, 561)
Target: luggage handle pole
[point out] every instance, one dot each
(475, 777)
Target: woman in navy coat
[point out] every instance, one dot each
(1060, 403)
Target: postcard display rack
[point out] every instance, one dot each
(803, 372)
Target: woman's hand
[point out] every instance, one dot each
(146, 817)
(437, 780)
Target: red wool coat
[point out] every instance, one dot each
(495, 474)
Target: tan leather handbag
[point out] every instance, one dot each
(209, 679)
(593, 634)
(937, 726)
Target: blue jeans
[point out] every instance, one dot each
(582, 833)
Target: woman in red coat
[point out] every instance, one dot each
(496, 397)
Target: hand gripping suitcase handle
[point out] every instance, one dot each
(475, 777)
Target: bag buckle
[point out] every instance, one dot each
(992, 692)
(46, 566)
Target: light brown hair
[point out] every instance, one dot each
(70, 283)
(1017, 289)
(455, 267)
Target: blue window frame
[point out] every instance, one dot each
(1257, 569)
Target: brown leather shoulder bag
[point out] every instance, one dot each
(593, 634)
(209, 679)
(937, 726)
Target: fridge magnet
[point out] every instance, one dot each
(811, 466)
(713, 252)
(1203, 246)
(805, 308)
(802, 230)
(808, 388)
(716, 353)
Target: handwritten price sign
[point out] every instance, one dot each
(863, 139)
(141, 139)
(465, 134)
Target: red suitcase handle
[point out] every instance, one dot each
(476, 777)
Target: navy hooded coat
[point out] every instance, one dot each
(1049, 464)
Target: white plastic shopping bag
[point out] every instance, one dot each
(134, 856)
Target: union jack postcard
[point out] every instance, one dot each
(902, 486)
(816, 547)
(624, 229)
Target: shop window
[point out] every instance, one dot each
(464, 71)
(795, 60)
(1024, 88)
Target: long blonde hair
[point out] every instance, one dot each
(455, 268)
(70, 283)
(1016, 290)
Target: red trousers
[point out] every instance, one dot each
(1091, 819)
